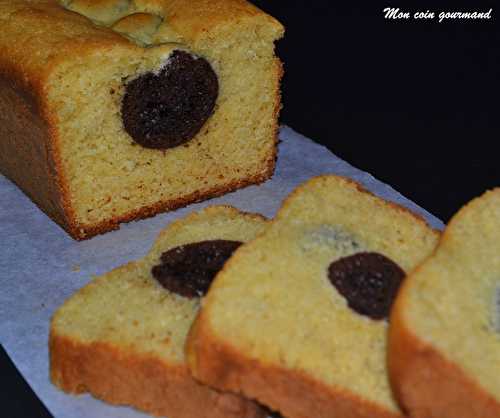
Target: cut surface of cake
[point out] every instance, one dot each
(297, 319)
(114, 110)
(444, 340)
(121, 337)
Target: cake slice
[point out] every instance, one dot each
(115, 110)
(297, 318)
(444, 339)
(122, 336)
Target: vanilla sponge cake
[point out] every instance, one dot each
(297, 319)
(444, 344)
(114, 110)
(122, 336)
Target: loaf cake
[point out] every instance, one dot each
(115, 110)
(297, 319)
(444, 339)
(122, 336)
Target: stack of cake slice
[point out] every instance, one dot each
(296, 319)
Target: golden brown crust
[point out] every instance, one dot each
(29, 148)
(147, 371)
(424, 382)
(25, 142)
(81, 232)
(45, 186)
(198, 18)
(293, 393)
(85, 232)
(214, 360)
(155, 387)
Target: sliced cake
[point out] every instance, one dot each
(115, 110)
(122, 336)
(444, 345)
(297, 319)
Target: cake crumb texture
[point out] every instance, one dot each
(121, 337)
(274, 328)
(65, 66)
(444, 346)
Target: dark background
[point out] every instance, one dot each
(415, 103)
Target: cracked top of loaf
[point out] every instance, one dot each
(37, 35)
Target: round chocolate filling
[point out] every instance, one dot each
(167, 108)
(189, 270)
(368, 281)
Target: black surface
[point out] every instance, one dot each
(415, 103)
(16, 397)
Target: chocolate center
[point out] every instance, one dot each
(189, 270)
(368, 281)
(167, 108)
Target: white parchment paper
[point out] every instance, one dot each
(40, 266)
